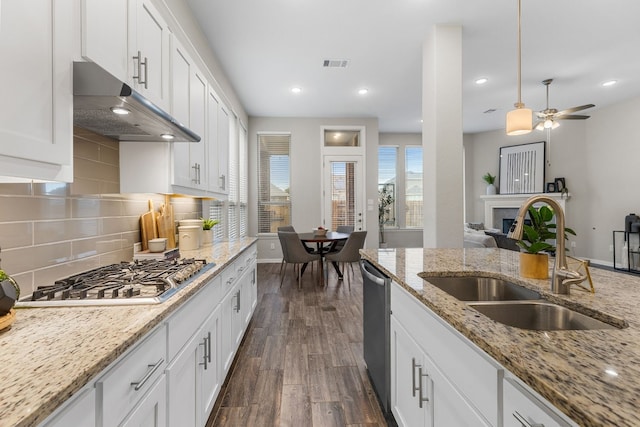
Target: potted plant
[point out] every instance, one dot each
(534, 257)
(490, 180)
(385, 200)
(207, 232)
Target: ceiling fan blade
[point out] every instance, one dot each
(574, 109)
(541, 114)
(572, 117)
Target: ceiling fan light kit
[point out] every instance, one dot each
(519, 121)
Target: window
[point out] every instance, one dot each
(244, 189)
(413, 187)
(387, 161)
(232, 203)
(216, 211)
(274, 178)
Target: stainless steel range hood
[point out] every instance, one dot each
(97, 94)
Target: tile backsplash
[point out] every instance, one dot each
(52, 230)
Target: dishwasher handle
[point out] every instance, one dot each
(369, 272)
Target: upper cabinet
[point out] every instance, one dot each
(217, 144)
(36, 81)
(130, 39)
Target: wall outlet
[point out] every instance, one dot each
(273, 246)
(573, 244)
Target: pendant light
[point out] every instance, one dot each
(519, 121)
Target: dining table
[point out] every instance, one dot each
(324, 244)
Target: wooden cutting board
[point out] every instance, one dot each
(147, 229)
(165, 227)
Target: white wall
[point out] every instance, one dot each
(599, 158)
(306, 173)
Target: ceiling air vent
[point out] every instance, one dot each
(335, 63)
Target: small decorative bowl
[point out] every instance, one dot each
(320, 231)
(158, 245)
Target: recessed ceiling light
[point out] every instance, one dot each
(296, 89)
(167, 136)
(481, 80)
(363, 91)
(609, 83)
(119, 110)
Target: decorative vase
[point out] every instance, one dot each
(534, 266)
(491, 190)
(207, 237)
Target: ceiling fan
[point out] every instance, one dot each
(548, 118)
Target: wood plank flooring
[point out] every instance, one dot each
(301, 363)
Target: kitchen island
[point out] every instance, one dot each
(592, 376)
(51, 353)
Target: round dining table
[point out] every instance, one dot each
(324, 244)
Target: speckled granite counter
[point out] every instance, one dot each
(593, 376)
(50, 353)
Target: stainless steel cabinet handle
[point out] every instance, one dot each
(238, 301)
(223, 181)
(414, 365)
(209, 346)
(146, 68)
(524, 422)
(421, 397)
(204, 357)
(152, 368)
(137, 77)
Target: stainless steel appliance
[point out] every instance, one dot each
(126, 283)
(376, 313)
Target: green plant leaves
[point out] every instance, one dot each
(536, 235)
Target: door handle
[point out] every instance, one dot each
(421, 397)
(414, 365)
(139, 384)
(524, 422)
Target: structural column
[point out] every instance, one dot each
(442, 137)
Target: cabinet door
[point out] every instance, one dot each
(406, 382)
(210, 373)
(223, 148)
(213, 144)
(150, 71)
(198, 109)
(521, 408)
(104, 35)
(151, 411)
(36, 84)
(182, 384)
(180, 99)
(80, 412)
(228, 321)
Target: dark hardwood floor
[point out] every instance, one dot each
(300, 363)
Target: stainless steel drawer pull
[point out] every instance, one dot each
(421, 397)
(524, 422)
(414, 365)
(209, 346)
(153, 368)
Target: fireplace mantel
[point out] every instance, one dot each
(513, 201)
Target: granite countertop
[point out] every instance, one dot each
(593, 376)
(50, 353)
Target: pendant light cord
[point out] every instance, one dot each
(519, 104)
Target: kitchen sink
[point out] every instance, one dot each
(538, 315)
(478, 288)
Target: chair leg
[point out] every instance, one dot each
(282, 274)
(281, 265)
(299, 278)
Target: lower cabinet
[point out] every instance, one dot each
(79, 411)
(420, 394)
(522, 408)
(151, 410)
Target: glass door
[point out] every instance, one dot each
(343, 192)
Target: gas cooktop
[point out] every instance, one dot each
(126, 283)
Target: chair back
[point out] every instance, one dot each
(293, 251)
(286, 228)
(345, 229)
(351, 250)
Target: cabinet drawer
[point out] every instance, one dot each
(476, 376)
(186, 321)
(521, 406)
(136, 369)
(229, 277)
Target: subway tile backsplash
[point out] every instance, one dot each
(52, 230)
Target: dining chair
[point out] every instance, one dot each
(337, 246)
(350, 253)
(294, 252)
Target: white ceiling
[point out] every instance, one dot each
(266, 47)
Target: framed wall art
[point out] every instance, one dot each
(522, 168)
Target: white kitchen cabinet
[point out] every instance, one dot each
(36, 78)
(464, 382)
(210, 379)
(126, 383)
(231, 319)
(130, 39)
(217, 144)
(151, 410)
(149, 52)
(79, 411)
(189, 105)
(522, 407)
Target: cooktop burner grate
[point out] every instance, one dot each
(137, 282)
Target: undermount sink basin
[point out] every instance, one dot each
(477, 288)
(538, 315)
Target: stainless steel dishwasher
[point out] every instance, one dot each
(376, 312)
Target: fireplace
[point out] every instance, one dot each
(500, 207)
(508, 222)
